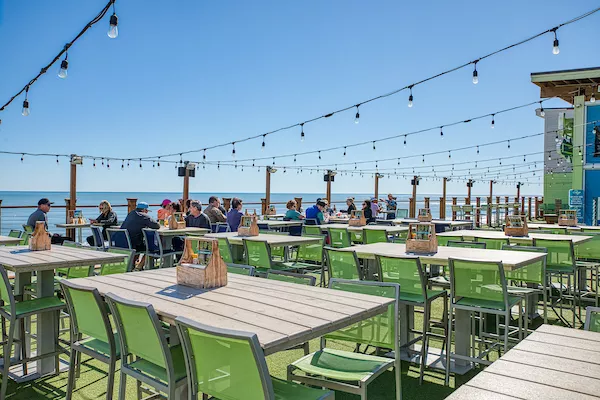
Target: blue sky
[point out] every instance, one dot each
(189, 74)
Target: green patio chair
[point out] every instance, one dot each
(145, 354)
(65, 271)
(225, 250)
(356, 237)
(25, 238)
(240, 269)
(342, 264)
(309, 257)
(443, 240)
(534, 274)
(480, 287)
(492, 244)
(401, 213)
(560, 262)
(14, 233)
(374, 236)
(409, 274)
(467, 245)
(311, 230)
(592, 319)
(258, 255)
(16, 313)
(27, 228)
(228, 364)
(338, 237)
(352, 372)
(91, 333)
(118, 267)
(291, 277)
(587, 255)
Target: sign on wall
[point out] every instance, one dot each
(576, 203)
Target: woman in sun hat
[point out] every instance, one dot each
(162, 212)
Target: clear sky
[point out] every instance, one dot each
(189, 74)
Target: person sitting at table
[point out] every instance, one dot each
(162, 212)
(106, 219)
(234, 216)
(213, 211)
(375, 209)
(368, 210)
(292, 214)
(41, 215)
(197, 219)
(351, 206)
(316, 212)
(137, 220)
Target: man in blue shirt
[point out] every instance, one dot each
(316, 211)
(40, 214)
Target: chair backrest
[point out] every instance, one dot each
(443, 240)
(223, 363)
(79, 272)
(98, 237)
(405, 271)
(311, 221)
(589, 250)
(374, 236)
(311, 252)
(402, 213)
(478, 280)
(27, 228)
(25, 238)
(119, 267)
(468, 245)
(6, 292)
(342, 264)
(561, 253)
(592, 319)
(295, 230)
(378, 331)
(300, 279)
(312, 230)
(14, 233)
(119, 238)
(338, 237)
(263, 226)
(258, 253)
(225, 250)
(152, 240)
(224, 227)
(87, 311)
(140, 332)
(240, 269)
(532, 272)
(492, 244)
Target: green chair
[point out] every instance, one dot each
(356, 237)
(311, 230)
(258, 255)
(225, 250)
(342, 264)
(467, 245)
(409, 274)
(16, 313)
(64, 271)
(338, 237)
(25, 238)
(309, 257)
(91, 333)
(443, 239)
(119, 267)
(534, 274)
(291, 277)
(492, 244)
(14, 233)
(231, 365)
(588, 259)
(352, 372)
(27, 228)
(145, 354)
(480, 287)
(374, 236)
(560, 262)
(592, 319)
(240, 269)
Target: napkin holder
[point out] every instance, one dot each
(176, 221)
(357, 218)
(421, 239)
(516, 225)
(39, 240)
(248, 225)
(567, 218)
(202, 268)
(424, 215)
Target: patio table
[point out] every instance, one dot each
(273, 216)
(440, 224)
(78, 227)
(471, 234)
(23, 262)
(387, 228)
(8, 240)
(556, 226)
(552, 363)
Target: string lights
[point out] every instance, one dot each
(64, 65)
(25, 110)
(410, 97)
(475, 75)
(357, 118)
(555, 48)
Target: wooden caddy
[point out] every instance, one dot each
(516, 225)
(270, 210)
(248, 225)
(424, 215)
(421, 239)
(203, 269)
(76, 217)
(39, 240)
(357, 218)
(176, 221)
(567, 218)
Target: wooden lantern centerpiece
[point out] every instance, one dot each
(39, 240)
(76, 217)
(248, 225)
(357, 218)
(516, 225)
(271, 210)
(421, 239)
(567, 218)
(202, 268)
(424, 215)
(176, 221)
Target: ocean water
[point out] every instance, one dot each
(13, 218)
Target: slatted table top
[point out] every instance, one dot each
(273, 240)
(510, 259)
(280, 224)
(21, 259)
(500, 235)
(282, 314)
(405, 221)
(274, 216)
(556, 226)
(552, 363)
(386, 228)
(339, 220)
(9, 240)
(73, 226)
(184, 231)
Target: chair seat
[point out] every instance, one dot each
(418, 298)
(342, 365)
(522, 291)
(160, 373)
(440, 281)
(300, 265)
(164, 253)
(285, 390)
(100, 346)
(565, 268)
(489, 304)
(36, 305)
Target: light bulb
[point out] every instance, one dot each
(113, 30)
(356, 120)
(64, 65)
(410, 100)
(475, 77)
(542, 112)
(555, 48)
(25, 111)
(593, 98)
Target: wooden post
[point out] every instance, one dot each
(414, 196)
(518, 189)
(267, 189)
(186, 187)
(489, 211)
(516, 206)
(469, 187)
(443, 200)
(263, 206)
(529, 207)
(411, 207)
(377, 185)
(131, 203)
(454, 212)
(468, 214)
(426, 202)
(70, 233)
(328, 193)
(298, 202)
(536, 207)
(522, 205)
(477, 212)
(227, 203)
(72, 204)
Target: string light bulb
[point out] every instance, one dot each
(319, 154)
(22, 157)
(357, 118)
(593, 98)
(542, 112)
(302, 132)
(475, 75)
(344, 151)
(477, 149)
(204, 154)
(549, 156)
(64, 66)
(263, 143)
(94, 164)
(113, 30)
(233, 150)
(493, 121)
(404, 141)
(374, 145)
(25, 110)
(442, 132)
(410, 97)
(555, 48)
(509, 143)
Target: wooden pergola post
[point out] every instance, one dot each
(454, 202)
(413, 208)
(529, 208)
(468, 198)
(477, 212)
(523, 205)
(536, 207)
(131, 203)
(186, 187)
(443, 200)
(489, 210)
(377, 176)
(267, 188)
(72, 203)
(329, 176)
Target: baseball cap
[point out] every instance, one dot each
(44, 201)
(165, 202)
(141, 205)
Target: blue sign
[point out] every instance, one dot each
(576, 203)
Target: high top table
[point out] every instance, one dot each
(440, 224)
(78, 227)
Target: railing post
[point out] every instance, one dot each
(227, 203)
(131, 203)
(468, 214)
(489, 211)
(298, 202)
(453, 212)
(411, 207)
(529, 207)
(523, 205)
(0, 216)
(516, 206)
(263, 206)
(536, 207)
(70, 233)
(426, 202)
(478, 212)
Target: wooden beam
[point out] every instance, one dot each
(413, 210)
(267, 187)
(186, 188)
(377, 185)
(328, 194)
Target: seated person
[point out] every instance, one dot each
(196, 218)
(351, 206)
(41, 215)
(135, 222)
(316, 211)
(107, 218)
(368, 211)
(234, 216)
(162, 212)
(292, 213)
(213, 211)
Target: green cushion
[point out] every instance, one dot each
(285, 390)
(151, 369)
(36, 305)
(489, 304)
(100, 346)
(342, 365)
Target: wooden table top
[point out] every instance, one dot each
(402, 221)
(510, 259)
(338, 220)
(184, 231)
(556, 226)
(273, 240)
(274, 216)
(552, 363)
(280, 224)
(500, 235)
(9, 240)
(73, 226)
(282, 314)
(386, 228)
(21, 259)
